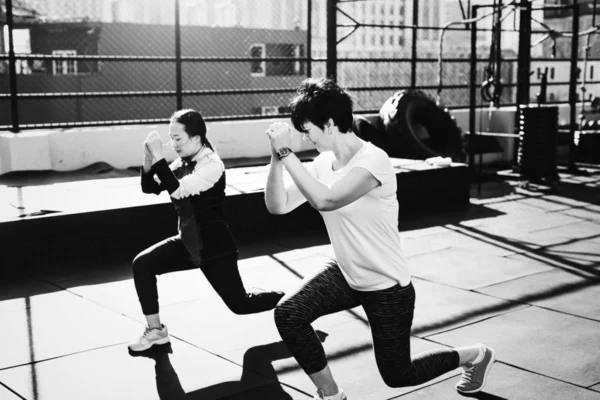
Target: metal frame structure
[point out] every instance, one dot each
(523, 73)
(179, 93)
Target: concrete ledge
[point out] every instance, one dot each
(122, 225)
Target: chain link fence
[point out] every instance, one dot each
(101, 62)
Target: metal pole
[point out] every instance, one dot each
(309, 40)
(472, 89)
(523, 67)
(524, 56)
(573, 89)
(332, 39)
(178, 85)
(413, 61)
(12, 69)
(497, 75)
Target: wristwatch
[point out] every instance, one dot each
(284, 152)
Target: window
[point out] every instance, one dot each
(257, 68)
(298, 70)
(21, 40)
(271, 110)
(260, 67)
(64, 67)
(21, 45)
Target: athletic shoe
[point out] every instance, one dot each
(150, 338)
(475, 375)
(339, 396)
(260, 300)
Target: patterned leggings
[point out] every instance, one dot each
(390, 314)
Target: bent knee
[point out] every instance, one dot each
(281, 315)
(140, 263)
(285, 314)
(396, 379)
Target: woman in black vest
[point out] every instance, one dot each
(196, 184)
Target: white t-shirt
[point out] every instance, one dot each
(364, 234)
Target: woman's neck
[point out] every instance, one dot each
(191, 157)
(345, 147)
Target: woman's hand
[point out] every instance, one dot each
(280, 135)
(154, 145)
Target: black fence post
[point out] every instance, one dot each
(178, 85)
(332, 39)
(413, 61)
(12, 69)
(472, 89)
(309, 40)
(498, 71)
(523, 68)
(573, 89)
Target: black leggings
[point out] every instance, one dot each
(222, 273)
(390, 314)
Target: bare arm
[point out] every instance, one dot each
(279, 198)
(350, 188)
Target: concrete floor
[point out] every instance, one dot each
(522, 277)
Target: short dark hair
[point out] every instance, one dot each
(193, 124)
(321, 99)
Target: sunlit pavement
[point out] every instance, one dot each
(519, 271)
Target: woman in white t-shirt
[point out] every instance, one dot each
(353, 185)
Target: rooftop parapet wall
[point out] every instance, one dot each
(121, 146)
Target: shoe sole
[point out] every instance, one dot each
(160, 341)
(485, 374)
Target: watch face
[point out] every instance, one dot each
(283, 152)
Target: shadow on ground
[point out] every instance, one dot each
(258, 360)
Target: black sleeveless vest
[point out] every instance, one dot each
(201, 222)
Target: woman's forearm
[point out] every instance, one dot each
(275, 194)
(315, 192)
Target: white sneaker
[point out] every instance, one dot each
(475, 376)
(339, 396)
(150, 338)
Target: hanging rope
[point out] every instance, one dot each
(491, 89)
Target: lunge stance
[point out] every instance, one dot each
(353, 185)
(196, 184)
